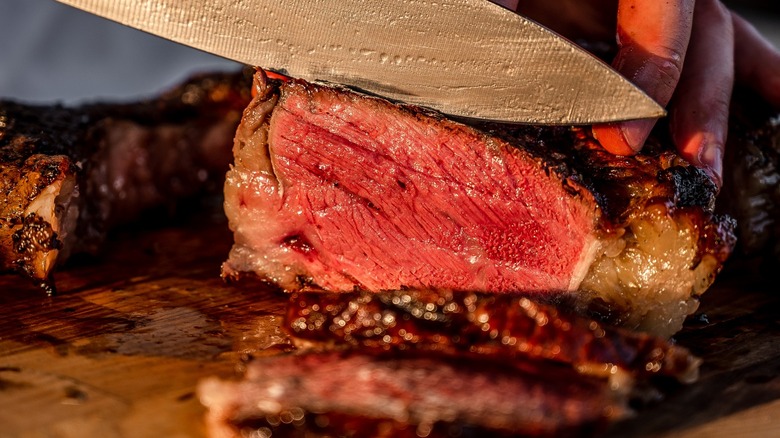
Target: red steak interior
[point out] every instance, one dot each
(481, 217)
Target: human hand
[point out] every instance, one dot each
(685, 54)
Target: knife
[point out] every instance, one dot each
(468, 58)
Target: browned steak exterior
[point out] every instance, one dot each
(67, 174)
(498, 327)
(346, 191)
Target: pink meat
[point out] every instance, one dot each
(346, 191)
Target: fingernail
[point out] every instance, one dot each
(635, 132)
(711, 157)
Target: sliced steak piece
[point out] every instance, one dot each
(67, 174)
(349, 394)
(500, 327)
(346, 191)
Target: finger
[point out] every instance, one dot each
(652, 39)
(756, 61)
(700, 111)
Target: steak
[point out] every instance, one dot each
(344, 191)
(68, 174)
(351, 394)
(439, 363)
(501, 327)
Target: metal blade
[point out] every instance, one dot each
(467, 58)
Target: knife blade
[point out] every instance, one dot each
(468, 58)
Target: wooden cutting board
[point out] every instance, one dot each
(119, 351)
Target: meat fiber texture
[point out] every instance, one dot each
(68, 174)
(347, 192)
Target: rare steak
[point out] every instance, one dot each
(347, 192)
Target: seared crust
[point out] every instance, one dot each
(486, 326)
(26, 238)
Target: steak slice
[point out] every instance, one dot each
(437, 364)
(68, 174)
(345, 191)
(351, 394)
(499, 327)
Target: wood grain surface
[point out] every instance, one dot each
(119, 351)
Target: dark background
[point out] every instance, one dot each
(772, 7)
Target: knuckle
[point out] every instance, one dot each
(668, 63)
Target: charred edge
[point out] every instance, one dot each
(461, 323)
(691, 186)
(35, 238)
(35, 235)
(718, 238)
